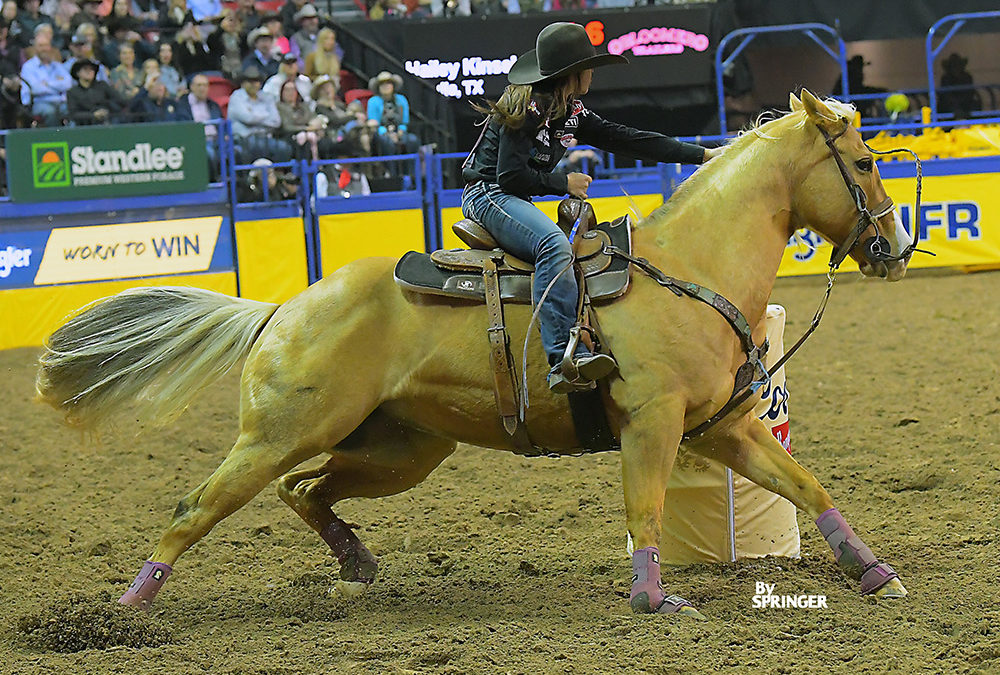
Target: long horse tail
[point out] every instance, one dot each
(153, 348)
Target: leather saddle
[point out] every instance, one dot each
(458, 273)
(487, 273)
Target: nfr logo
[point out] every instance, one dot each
(954, 217)
(50, 164)
(805, 243)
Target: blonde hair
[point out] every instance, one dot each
(511, 109)
(321, 62)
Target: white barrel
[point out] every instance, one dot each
(711, 514)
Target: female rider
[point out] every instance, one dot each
(525, 135)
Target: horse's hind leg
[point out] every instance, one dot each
(248, 468)
(749, 449)
(381, 458)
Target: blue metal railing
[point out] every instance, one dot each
(931, 52)
(810, 30)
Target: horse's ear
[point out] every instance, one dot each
(820, 114)
(794, 104)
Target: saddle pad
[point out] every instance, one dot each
(418, 273)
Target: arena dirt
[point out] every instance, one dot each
(498, 564)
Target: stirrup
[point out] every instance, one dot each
(560, 384)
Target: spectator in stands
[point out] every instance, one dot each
(126, 78)
(280, 45)
(324, 95)
(168, 73)
(391, 111)
(96, 40)
(80, 47)
(459, 7)
(174, 14)
(121, 31)
(246, 12)
(153, 104)
(47, 31)
(62, 13)
(15, 31)
(13, 113)
(255, 119)
(91, 101)
(191, 53)
(389, 9)
(250, 185)
(89, 13)
(226, 44)
(287, 187)
(260, 42)
(46, 82)
(300, 127)
(305, 39)
(150, 67)
(856, 85)
(324, 60)
(961, 102)
(10, 51)
(198, 107)
(146, 11)
(31, 17)
(347, 126)
(289, 70)
(288, 12)
(205, 10)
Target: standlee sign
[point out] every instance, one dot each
(116, 161)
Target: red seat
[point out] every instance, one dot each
(269, 5)
(358, 95)
(348, 80)
(219, 90)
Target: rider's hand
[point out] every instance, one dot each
(577, 184)
(710, 153)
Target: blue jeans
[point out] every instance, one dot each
(527, 233)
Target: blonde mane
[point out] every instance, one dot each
(770, 125)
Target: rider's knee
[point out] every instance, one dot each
(556, 248)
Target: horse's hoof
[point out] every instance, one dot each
(687, 610)
(351, 589)
(892, 589)
(670, 604)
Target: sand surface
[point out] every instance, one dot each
(500, 564)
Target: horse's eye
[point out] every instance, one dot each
(864, 164)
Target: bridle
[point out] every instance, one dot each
(875, 249)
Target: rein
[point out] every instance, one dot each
(876, 249)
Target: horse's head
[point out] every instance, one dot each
(841, 195)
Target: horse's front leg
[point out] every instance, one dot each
(749, 449)
(649, 447)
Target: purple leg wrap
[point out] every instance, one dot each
(647, 594)
(145, 587)
(852, 554)
(356, 562)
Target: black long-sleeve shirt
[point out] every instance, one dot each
(81, 102)
(522, 161)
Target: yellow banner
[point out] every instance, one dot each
(272, 256)
(606, 208)
(126, 250)
(959, 222)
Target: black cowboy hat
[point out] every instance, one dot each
(80, 64)
(251, 73)
(955, 60)
(561, 49)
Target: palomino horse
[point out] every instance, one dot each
(386, 382)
